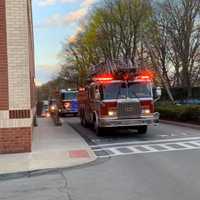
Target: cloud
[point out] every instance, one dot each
(53, 2)
(87, 3)
(73, 37)
(57, 19)
(84, 3)
(63, 20)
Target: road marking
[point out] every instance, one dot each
(145, 142)
(115, 151)
(195, 143)
(185, 145)
(149, 148)
(165, 146)
(140, 148)
(134, 149)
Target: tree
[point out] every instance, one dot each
(164, 36)
(183, 29)
(157, 45)
(113, 31)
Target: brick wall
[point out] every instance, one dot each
(15, 140)
(18, 54)
(16, 76)
(31, 55)
(3, 59)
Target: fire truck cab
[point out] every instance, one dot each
(125, 100)
(67, 102)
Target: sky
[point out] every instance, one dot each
(55, 22)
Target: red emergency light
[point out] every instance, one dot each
(142, 78)
(145, 75)
(103, 78)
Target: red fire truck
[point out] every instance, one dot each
(123, 97)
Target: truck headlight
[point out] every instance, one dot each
(146, 111)
(53, 108)
(48, 115)
(112, 113)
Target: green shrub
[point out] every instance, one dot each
(183, 113)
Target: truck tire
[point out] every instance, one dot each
(84, 122)
(142, 129)
(98, 130)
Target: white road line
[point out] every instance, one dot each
(149, 148)
(168, 147)
(187, 146)
(115, 151)
(135, 150)
(163, 145)
(146, 152)
(195, 143)
(146, 142)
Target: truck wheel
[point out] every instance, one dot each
(142, 129)
(84, 121)
(81, 119)
(98, 130)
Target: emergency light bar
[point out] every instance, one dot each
(118, 70)
(142, 78)
(103, 77)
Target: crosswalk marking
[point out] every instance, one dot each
(185, 145)
(195, 143)
(146, 148)
(149, 148)
(165, 146)
(147, 142)
(134, 150)
(115, 151)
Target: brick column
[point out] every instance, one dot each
(3, 59)
(16, 76)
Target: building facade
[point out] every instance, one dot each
(17, 96)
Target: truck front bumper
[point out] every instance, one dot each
(64, 111)
(142, 121)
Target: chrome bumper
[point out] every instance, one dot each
(142, 121)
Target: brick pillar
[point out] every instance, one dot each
(3, 59)
(16, 76)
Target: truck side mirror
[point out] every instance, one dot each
(158, 92)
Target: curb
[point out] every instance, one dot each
(40, 172)
(193, 126)
(72, 163)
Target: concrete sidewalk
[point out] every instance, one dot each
(182, 124)
(53, 147)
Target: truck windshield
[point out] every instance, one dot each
(122, 90)
(139, 89)
(69, 95)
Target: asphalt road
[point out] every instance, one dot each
(162, 165)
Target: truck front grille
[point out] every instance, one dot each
(129, 110)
